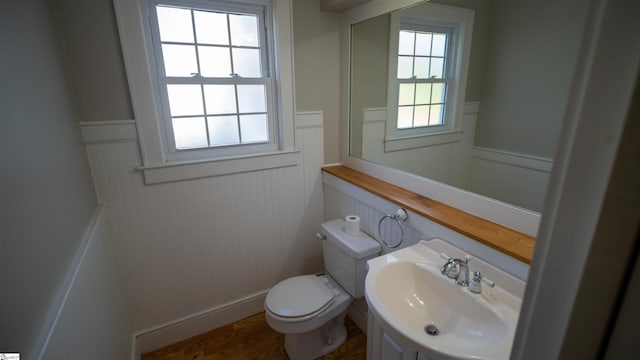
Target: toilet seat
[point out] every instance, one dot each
(299, 298)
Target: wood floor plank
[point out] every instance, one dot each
(251, 338)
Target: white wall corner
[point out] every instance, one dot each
(88, 318)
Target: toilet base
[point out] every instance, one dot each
(318, 342)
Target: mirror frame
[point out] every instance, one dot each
(499, 212)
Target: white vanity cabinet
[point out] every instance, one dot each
(382, 346)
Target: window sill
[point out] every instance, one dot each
(420, 141)
(187, 170)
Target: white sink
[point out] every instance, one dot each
(406, 292)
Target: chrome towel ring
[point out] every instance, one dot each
(398, 217)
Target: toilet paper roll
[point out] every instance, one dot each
(353, 225)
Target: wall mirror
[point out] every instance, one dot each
(503, 138)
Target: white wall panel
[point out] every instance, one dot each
(517, 179)
(92, 322)
(187, 246)
(442, 158)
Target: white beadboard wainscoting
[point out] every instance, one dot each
(342, 198)
(89, 320)
(514, 178)
(444, 157)
(196, 254)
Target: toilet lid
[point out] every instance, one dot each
(298, 296)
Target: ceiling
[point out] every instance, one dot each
(340, 5)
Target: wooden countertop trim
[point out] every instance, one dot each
(513, 243)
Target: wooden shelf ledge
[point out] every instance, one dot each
(513, 243)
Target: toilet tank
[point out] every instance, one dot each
(345, 256)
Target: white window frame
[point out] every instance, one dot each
(458, 22)
(263, 15)
(158, 159)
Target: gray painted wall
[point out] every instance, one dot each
(317, 61)
(529, 67)
(46, 188)
(369, 74)
(94, 59)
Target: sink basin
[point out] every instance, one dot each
(417, 295)
(406, 292)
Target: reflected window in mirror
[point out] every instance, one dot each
(425, 74)
(421, 80)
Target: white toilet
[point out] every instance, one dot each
(310, 309)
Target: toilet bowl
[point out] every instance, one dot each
(310, 309)
(312, 318)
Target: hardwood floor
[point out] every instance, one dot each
(251, 338)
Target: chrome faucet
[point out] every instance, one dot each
(457, 269)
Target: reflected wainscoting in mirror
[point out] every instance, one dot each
(504, 136)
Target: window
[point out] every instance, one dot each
(421, 80)
(428, 58)
(210, 80)
(213, 76)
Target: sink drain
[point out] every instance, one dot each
(431, 330)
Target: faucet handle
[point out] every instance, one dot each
(489, 282)
(475, 285)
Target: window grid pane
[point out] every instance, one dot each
(405, 67)
(220, 99)
(253, 128)
(213, 45)
(436, 115)
(190, 132)
(214, 61)
(179, 60)
(421, 116)
(251, 98)
(246, 62)
(211, 28)
(185, 100)
(223, 130)
(244, 30)
(175, 24)
(405, 117)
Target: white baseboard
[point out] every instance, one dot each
(198, 323)
(359, 312)
(195, 324)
